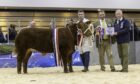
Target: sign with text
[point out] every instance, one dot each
(109, 30)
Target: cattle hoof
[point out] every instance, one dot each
(19, 72)
(25, 73)
(71, 71)
(65, 71)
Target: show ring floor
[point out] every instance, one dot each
(55, 75)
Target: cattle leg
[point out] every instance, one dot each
(70, 63)
(19, 63)
(65, 63)
(25, 61)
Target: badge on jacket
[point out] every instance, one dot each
(121, 26)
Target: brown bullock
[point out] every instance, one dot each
(41, 40)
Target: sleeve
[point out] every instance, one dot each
(125, 29)
(91, 28)
(111, 23)
(95, 24)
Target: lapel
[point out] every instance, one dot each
(108, 22)
(121, 23)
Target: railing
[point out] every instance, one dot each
(41, 22)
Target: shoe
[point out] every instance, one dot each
(102, 69)
(122, 70)
(85, 70)
(119, 70)
(113, 70)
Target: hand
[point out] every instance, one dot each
(80, 32)
(115, 33)
(98, 27)
(97, 34)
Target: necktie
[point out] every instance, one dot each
(104, 26)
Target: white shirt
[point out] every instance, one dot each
(119, 20)
(87, 42)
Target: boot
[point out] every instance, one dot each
(85, 70)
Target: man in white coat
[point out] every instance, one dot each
(86, 42)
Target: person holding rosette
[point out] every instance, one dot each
(103, 41)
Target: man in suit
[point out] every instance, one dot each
(103, 41)
(122, 32)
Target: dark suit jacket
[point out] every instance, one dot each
(123, 30)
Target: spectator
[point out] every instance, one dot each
(122, 32)
(2, 40)
(12, 32)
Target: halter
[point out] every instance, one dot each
(79, 32)
(70, 31)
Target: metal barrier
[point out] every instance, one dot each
(44, 22)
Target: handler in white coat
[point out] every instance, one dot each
(86, 42)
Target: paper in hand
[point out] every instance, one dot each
(110, 31)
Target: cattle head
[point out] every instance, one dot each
(82, 27)
(72, 27)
